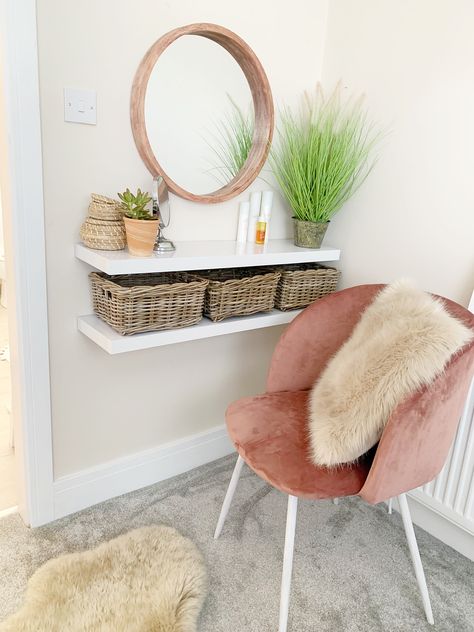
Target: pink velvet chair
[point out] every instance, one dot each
(269, 430)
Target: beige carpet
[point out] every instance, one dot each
(149, 580)
(352, 568)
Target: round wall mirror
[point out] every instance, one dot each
(202, 112)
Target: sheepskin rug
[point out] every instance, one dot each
(149, 580)
(403, 340)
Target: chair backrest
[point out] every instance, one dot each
(418, 435)
(416, 440)
(314, 336)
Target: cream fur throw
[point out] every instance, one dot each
(149, 580)
(403, 340)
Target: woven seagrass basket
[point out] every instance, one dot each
(239, 291)
(103, 234)
(134, 303)
(105, 208)
(303, 283)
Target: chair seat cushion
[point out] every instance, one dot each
(271, 435)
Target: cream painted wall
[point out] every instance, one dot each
(103, 406)
(414, 216)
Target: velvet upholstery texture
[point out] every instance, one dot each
(404, 339)
(270, 430)
(314, 336)
(418, 435)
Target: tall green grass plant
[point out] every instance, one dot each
(322, 154)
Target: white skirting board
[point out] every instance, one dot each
(8, 512)
(94, 485)
(439, 525)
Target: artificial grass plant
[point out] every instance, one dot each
(232, 142)
(322, 154)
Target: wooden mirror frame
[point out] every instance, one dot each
(262, 102)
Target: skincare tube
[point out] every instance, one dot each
(255, 198)
(266, 210)
(260, 230)
(243, 225)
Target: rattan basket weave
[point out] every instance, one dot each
(303, 283)
(102, 207)
(239, 291)
(103, 234)
(135, 303)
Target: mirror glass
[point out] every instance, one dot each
(198, 103)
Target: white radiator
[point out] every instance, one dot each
(451, 494)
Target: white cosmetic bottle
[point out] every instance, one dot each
(266, 210)
(243, 225)
(255, 198)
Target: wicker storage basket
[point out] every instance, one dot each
(103, 234)
(133, 303)
(302, 283)
(102, 207)
(239, 291)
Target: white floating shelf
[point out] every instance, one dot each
(112, 342)
(202, 255)
(194, 255)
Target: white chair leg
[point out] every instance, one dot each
(229, 495)
(287, 562)
(390, 506)
(415, 556)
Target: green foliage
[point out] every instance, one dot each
(232, 142)
(322, 155)
(134, 206)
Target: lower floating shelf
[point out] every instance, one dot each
(112, 342)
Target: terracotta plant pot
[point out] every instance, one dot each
(141, 236)
(309, 234)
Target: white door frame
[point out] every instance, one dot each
(21, 177)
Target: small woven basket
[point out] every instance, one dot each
(103, 234)
(239, 291)
(105, 208)
(134, 303)
(303, 283)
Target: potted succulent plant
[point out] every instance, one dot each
(320, 159)
(141, 227)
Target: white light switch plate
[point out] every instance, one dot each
(80, 106)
